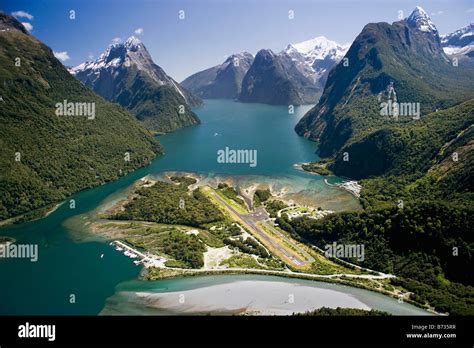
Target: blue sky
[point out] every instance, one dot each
(213, 29)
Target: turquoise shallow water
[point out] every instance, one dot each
(66, 267)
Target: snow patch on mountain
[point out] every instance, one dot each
(132, 42)
(320, 48)
(314, 58)
(118, 55)
(460, 42)
(457, 51)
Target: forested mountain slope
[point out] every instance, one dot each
(46, 156)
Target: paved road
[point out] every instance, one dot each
(301, 250)
(250, 220)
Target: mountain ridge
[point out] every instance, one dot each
(300, 71)
(459, 42)
(221, 81)
(126, 73)
(398, 54)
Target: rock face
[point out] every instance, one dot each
(223, 81)
(125, 73)
(405, 58)
(60, 152)
(270, 81)
(296, 75)
(459, 43)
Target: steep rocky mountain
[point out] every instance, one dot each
(414, 163)
(401, 64)
(221, 81)
(420, 20)
(315, 58)
(49, 152)
(299, 73)
(125, 73)
(459, 43)
(272, 79)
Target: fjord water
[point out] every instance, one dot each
(265, 128)
(76, 277)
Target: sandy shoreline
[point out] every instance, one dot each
(246, 297)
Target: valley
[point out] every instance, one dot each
(82, 235)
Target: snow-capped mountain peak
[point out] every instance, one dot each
(318, 49)
(315, 57)
(319, 42)
(115, 55)
(238, 57)
(460, 42)
(463, 33)
(121, 56)
(420, 19)
(132, 43)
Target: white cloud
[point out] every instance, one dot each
(138, 31)
(23, 14)
(91, 56)
(470, 10)
(116, 40)
(439, 13)
(62, 56)
(27, 26)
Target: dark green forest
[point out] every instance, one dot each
(414, 147)
(170, 203)
(46, 157)
(160, 108)
(249, 246)
(185, 248)
(261, 196)
(417, 195)
(428, 245)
